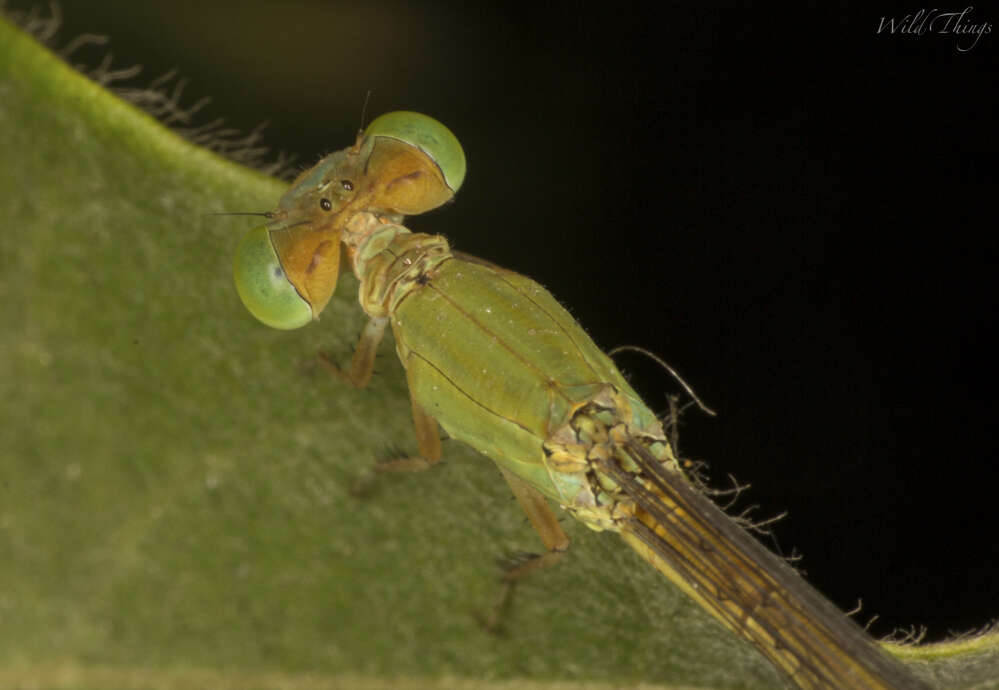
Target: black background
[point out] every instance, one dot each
(795, 211)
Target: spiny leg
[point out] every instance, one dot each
(362, 364)
(545, 523)
(428, 440)
(534, 504)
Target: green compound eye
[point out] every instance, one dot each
(428, 135)
(263, 286)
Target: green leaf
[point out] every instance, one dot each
(175, 505)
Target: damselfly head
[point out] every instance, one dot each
(404, 163)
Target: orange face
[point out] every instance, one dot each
(392, 170)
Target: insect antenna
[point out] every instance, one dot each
(364, 113)
(266, 214)
(360, 130)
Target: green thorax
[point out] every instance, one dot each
(502, 366)
(490, 353)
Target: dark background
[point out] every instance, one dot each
(796, 212)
